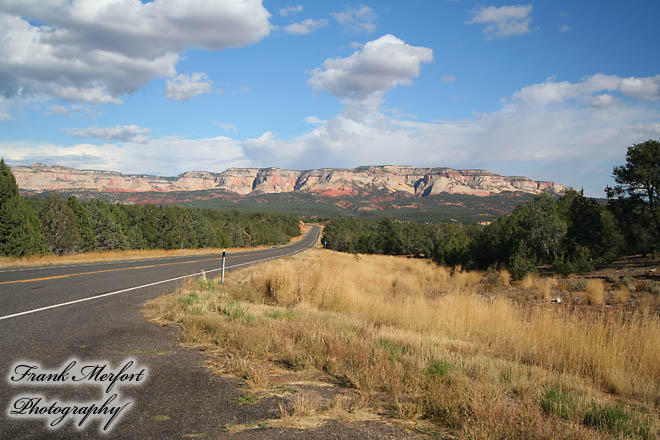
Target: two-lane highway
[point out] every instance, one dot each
(92, 311)
(29, 290)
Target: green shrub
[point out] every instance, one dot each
(189, 300)
(579, 285)
(617, 419)
(205, 284)
(235, 311)
(578, 262)
(559, 403)
(438, 368)
(395, 350)
(521, 263)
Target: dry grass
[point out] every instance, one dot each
(529, 282)
(545, 287)
(620, 296)
(310, 411)
(595, 291)
(416, 339)
(505, 278)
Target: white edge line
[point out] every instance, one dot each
(54, 306)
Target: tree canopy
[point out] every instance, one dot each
(635, 199)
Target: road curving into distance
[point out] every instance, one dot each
(51, 315)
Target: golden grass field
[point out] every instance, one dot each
(439, 350)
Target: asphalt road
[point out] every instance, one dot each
(92, 313)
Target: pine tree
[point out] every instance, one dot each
(84, 224)
(19, 228)
(8, 186)
(107, 230)
(635, 200)
(58, 222)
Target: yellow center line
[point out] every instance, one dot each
(55, 277)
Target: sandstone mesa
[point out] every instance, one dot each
(325, 181)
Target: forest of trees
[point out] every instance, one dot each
(58, 226)
(572, 233)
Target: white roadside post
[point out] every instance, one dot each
(224, 254)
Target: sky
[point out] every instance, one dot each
(552, 90)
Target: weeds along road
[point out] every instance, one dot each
(92, 313)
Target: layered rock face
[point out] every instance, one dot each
(325, 181)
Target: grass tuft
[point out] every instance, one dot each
(559, 403)
(595, 291)
(438, 369)
(617, 419)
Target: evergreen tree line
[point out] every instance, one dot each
(572, 233)
(58, 226)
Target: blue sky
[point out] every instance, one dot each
(553, 90)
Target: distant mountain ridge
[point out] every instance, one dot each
(330, 182)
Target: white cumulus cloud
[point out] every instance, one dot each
(645, 88)
(369, 72)
(97, 51)
(503, 21)
(186, 86)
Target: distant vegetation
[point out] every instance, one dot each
(443, 207)
(572, 234)
(54, 225)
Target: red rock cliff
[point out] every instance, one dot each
(326, 181)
